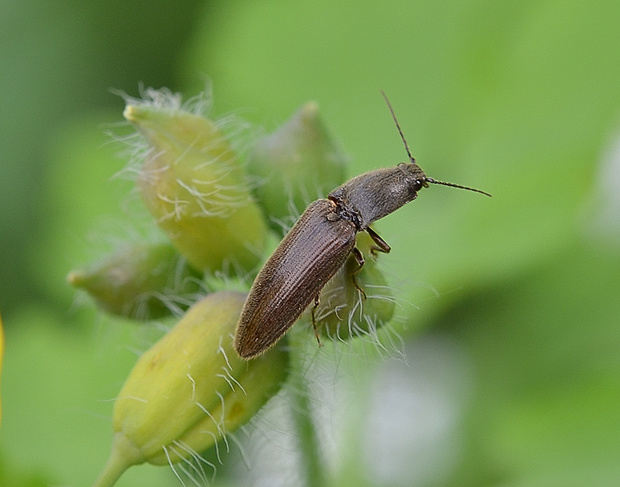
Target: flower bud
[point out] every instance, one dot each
(190, 389)
(140, 281)
(347, 310)
(193, 185)
(295, 165)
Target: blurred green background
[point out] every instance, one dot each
(511, 306)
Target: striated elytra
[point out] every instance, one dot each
(319, 244)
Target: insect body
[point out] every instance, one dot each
(319, 244)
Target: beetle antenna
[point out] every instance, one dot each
(452, 185)
(411, 158)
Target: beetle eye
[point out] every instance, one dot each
(419, 184)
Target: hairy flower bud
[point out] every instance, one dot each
(193, 185)
(355, 301)
(140, 281)
(190, 389)
(295, 165)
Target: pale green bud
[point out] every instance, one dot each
(193, 185)
(295, 165)
(140, 280)
(355, 301)
(190, 389)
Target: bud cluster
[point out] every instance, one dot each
(191, 389)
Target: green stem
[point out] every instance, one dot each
(123, 456)
(307, 434)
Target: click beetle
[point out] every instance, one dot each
(319, 244)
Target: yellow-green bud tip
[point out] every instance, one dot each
(310, 110)
(75, 278)
(130, 113)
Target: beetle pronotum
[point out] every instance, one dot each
(319, 244)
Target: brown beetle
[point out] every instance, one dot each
(319, 244)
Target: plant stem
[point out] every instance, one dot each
(123, 455)
(307, 434)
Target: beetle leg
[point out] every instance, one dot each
(360, 262)
(381, 245)
(316, 330)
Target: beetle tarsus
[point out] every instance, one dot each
(312, 315)
(381, 245)
(360, 263)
